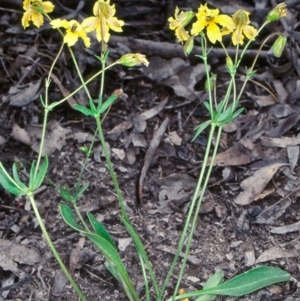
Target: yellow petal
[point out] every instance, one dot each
(214, 33)
(26, 5)
(25, 19)
(181, 34)
(37, 19)
(48, 6)
(237, 37)
(96, 9)
(249, 31)
(115, 24)
(85, 38)
(198, 26)
(70, 38)
(90, 23)
(224, 20)
(102, 33)
(60, 23)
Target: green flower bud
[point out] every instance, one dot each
(279, 45)
(277, 12)
(229, 63)
(133, 59)
(188, 46)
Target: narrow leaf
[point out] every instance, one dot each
(8, 183)
(65, 194)
(17, 179)
(245, 283)
(81, 191)
(100, 229)
(212, 281)
(116, 266)
(107, 103)
(201, 128)
(83, 110)
(251, 281)
(67, 215)
(40, 174)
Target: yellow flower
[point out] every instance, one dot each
(179, 22)
(210, 19)
(241, 27)
(34, 11)
(74, 30)
(133, 59)
(103, 20)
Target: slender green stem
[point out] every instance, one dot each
(190, 213)
(204, 58)
(53, 249)
(199, 202)
(111, 169)
(147, 291)
(85, 160)
(41, 153)
(102, 80)
(81, 218)
(254, 62)
(79, 73)
(46, 110)
(57, 103)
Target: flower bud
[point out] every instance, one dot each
(133, 59)
(279, 45)
(229, 63)
(188, 46)
(277, 12)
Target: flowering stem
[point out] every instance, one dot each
(55, 104)
(79, 73)
(46, 111)
(110, 167)
(199, 202)
(53, 249)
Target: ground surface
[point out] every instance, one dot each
(251, 213)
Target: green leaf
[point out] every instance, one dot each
(136, 240)
(100, 229)
(92, 106)
(212, 281)
(8, 183)
(17, 179)
(107, 103)
(65, 194)
(251, 281)
(79, 193)
(225, 115)
(237, 113)
(245, 283)
(40, 175)
(201, 128)
(83, 110)
(115, 265)
(67, 215)
(209, 108)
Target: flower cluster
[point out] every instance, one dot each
(217, 25)
(102, 22)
